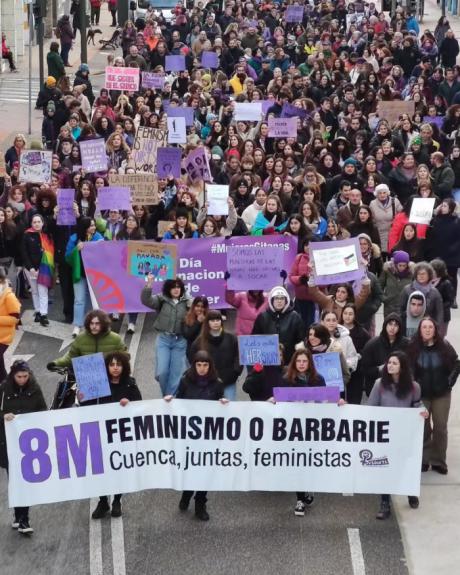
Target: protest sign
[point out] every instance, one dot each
(263, 349)
(436, 120)
(254, 267)
(200, 265)
(152, 80)
(421, 211)
(290, 111)
(328, 365)
(65, 200)
(217, 199)
(177, 131)
(186, 112)
(81, 453)
(248, 111)
(124, 79)
(93, 155)
(266, 105)
(174, 63)
(143, 187)
(111, 198)
(282, 127)
(391, 111)
(2, 166)
(145, 147)
(163, 227)
(336, 262)
(91, 376)
(197, 166)
(152, 258)
(169, 162)
(209, 59)
(293, 14)
(317, 394)
(35, 167)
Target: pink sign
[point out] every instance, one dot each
(125, 79)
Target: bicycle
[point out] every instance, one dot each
(65, 395)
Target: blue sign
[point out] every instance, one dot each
(328, 365)
(91, 377)
(263, 349)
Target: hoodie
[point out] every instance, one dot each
(412, 321)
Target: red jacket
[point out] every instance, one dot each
(397, 228)
(300, 268)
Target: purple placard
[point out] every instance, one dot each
(93, 155)
(65, 199)
(266, 105)
(291, 111)
(151, 80)
(436, 120)
(169, 162)
(318, 394)
(200, 264)
(113, 198)
(197, 165)
(342, 276)
(182, 112)
(174, 63)
(282, 127)
(254, 267)
(293, 14)
(209, 59)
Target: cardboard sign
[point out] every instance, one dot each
(336, 262)
(197, 166)
(391, 111)
(124, 79)
(421, 211)
(152, 258)
(143, 187)
(307, 394)
(169, 162)
(216, 197)
(35, 167)
(328, 365)
(93, 155)
(248, 111)
(254, 267)
(209, 59)
(111, 198)
(282, 127)
(174, 63)
(91, 376)
(263, 349)
(151, 80)
(65, 200)
(163, 227)
(177, 130)
(145, 147)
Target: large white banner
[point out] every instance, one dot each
(203, 445)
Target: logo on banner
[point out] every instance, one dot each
(367, 459)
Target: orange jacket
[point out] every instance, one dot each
(9, 304)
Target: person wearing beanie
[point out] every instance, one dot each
(50, 82)
(182, 228)
(82, 78)
(396, 275)
(19, 393)
(55, 63)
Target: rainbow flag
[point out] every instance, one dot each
(46, 269)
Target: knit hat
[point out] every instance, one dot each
(19, 365)
(83, 68)
(365, 237)
(401, 257)
(279, 291)
(217, 153)
(50, 82)
(181, 212)
(416, 140)
(234, 153)
(349, 161)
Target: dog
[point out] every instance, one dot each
(91, 33)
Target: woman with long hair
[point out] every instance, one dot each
(359, 337)
(194, 319)
(8, 246)
(396, 388)
(312, 219)
(270, 220)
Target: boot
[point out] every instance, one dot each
(200, 511)
(102, 508)
(413, 502)
(37, 317)
(116, 506)
(384, 511)
(185, 501)
(44, 321)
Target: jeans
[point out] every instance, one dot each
(132, 318)
(81, 301)
(39, 294)
(65, 49)
(169, 361)
(230, 392)
(435, 435)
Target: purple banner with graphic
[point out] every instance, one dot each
(201, 265)
(318, 394)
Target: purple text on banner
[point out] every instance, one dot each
(174, 63)
(253, 267)
(112, 198)
(201, 264)
(197, 165)
(342, 256)
(65, 199)
(294, 14)
(169, 162)
(182, 112)
(263, 349)
(282, 127)
(93, 155)
(328, 365)
(290, 111)
(151, 80)
(209, 59)
(317, 394)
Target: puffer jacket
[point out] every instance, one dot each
(383, 218)
(170, 315)
(246, 312)
(392, 286)
(9, 308)
(86, 344)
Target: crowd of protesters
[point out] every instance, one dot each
(348, 173)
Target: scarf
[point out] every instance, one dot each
(46, 269)
(321, 348)
(420, 287)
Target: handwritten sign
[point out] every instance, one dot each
(124, 79)
(143, 187)
(263, 349)
(111, 198)
(391, 111)
(293, 14)
(336, 262)
(35, 167)
(145, 147)
(91, 376)
(254, 267)
(177, 131)
(151, 80)
(93, 155)
(282, 127)
(66, 215)
(197, 166)
(216, 197)
(174, 63)
(248, 111)
(421, 211)
(307, 394)
(328, 365)
(152, 258)
(186, 112)
(169, 162)
(209, 59)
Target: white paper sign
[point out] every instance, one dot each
(217, 197)
(248, 111)
(177, 131)
(35, 167)
(336, 260)
(421, 211)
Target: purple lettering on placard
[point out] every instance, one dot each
(151, 80)
(174, 63)
(318, 394)
(182, 112)
(37, 455)
(282, 127)
(66, 443)
(169, 162)
(65, 199)
(209, 59)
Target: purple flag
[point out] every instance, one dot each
(151, 80)
(182, 112)
(209, 59)
(93, 155)
(112, 198)
(65, 199)
(318, 394)
(174, 63)
(169, 162)
(266, 105)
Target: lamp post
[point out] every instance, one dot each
(83, 23)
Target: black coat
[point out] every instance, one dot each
(127, 388)
(317, 381)
(288, 325)
(259, 384)
(189, 388)
(80, 79)
(224, 351)
(365, 313)
(435, 368)
(443, 240)
(31, 250)
(17, 400)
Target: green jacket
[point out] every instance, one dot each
(169, 315)
(55, 65)
(86, 344)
